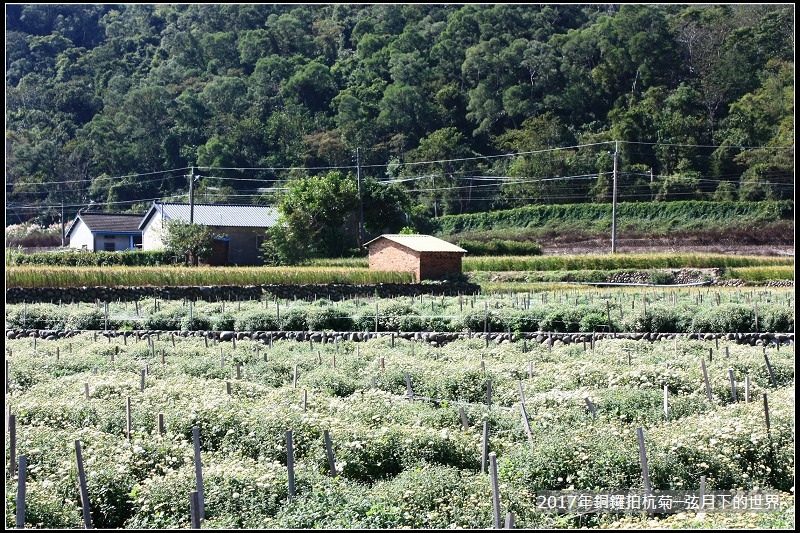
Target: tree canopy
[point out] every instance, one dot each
(459, 108)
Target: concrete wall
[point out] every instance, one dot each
(151, 234)
(81, 236)
(121, 242)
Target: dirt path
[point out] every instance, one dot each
(603, 246)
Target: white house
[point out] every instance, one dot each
(244, 227)
(109, 232)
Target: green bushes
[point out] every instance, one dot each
(169, 319)
(196, 323)
(224, 322)
(255, 321)
(657, 217)
(88, 317)
(328, 318)
(639, 311)
(82, 258)
(734, 318)
(293, 319)
(34, 316)
(660, 317)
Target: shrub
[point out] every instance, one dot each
(258, 320)
(777, 320)
(86, 318)
(519, 320)
(659, 317)
(294, 319)
(335, 381)
(169, 319)
(35, 316)
(329, 318)
(594, 321)
(196, 323)
(661, 277)
(731, 318)
(226, 322)
(500, 247)
(476, 320)
(391, 315)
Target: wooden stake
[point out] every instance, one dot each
(198, 471)
(590, 405)
(23, 477)
(12, 444)
(525, 420)
(495, 489)
(705, 377)
(128, 417)
(485, 447)
(464, 420)
(87, 517)
(643, 459)
(747, 388)
(329, 450)
(290, 462)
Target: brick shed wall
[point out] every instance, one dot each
(387, 255)
(435, 265)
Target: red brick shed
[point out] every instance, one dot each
(424, 255)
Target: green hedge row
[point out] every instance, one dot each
(83, 258)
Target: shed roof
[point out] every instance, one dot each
(421, 243)
(231, 215)
(108, 222)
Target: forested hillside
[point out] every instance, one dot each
(439, 109)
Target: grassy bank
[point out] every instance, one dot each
(653, 218)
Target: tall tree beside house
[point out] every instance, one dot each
(193, 241)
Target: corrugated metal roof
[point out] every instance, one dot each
(110, 222)
(421, 243)
(237, 215)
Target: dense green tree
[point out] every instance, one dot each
(316, 219)
(101, 96)
(539, 174)
(193, 241)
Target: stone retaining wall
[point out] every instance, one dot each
(432, 338)
(236, 292)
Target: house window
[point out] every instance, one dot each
(109, 247)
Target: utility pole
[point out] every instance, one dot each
(360, 202)
(652, 190)
(63, 234)
(614, 202)
(191, 195)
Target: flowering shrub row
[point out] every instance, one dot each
(401, 461)
(642, 312)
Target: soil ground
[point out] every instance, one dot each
(672, 244)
